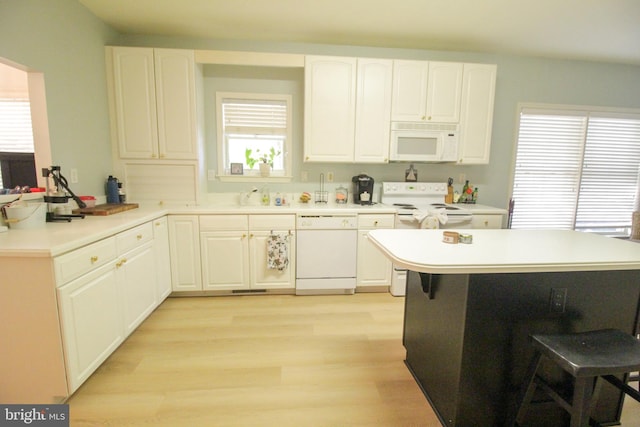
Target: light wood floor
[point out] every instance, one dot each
(259, 361)
(263, 361)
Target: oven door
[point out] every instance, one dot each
(453, 221)
(458, 221)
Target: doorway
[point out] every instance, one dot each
(24, 136)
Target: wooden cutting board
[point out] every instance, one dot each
(106, 209)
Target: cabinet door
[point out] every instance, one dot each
(225, 260)
(176, 103)
(91, 322)
(184, 245)
(138, 285)
(409, 90)
(163, 258)
(373, 110)
(373, 268)
(329, 109)
(135, 102)
(263, 277)
(444, 90)
(476, 116)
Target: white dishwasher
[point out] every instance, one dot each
(326, 255)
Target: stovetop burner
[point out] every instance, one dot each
(405, 205)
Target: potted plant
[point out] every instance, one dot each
(265, 159)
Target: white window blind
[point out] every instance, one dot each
(251, 116)
(576, 170)
(16, 135)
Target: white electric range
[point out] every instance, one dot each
(421, 205)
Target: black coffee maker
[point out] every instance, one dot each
(362, 189)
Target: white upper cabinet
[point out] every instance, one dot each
(373, 110)
(329, 108)
(476, 117)
(347, 109)
(426, 91)
(154, 102)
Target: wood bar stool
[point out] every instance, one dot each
(589, 357)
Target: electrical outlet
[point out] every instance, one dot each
(329, 176)
(304, 176)
(462, 178)
(211, 175)
(558, 300)
(74, 175)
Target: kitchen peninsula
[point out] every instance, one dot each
(470, 308)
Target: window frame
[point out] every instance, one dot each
(589, 113)
(224, 173)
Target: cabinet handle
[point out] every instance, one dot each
(486, 223)
(139, 237)
(121, 262)
(94, 259)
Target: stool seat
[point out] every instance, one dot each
(593, 353)
(588, 357)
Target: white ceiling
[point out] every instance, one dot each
(595, 30)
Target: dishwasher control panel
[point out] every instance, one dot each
(327, 222)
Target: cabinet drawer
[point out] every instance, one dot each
(376, 221)
(486, 221)
(134, 237)
(272, 222)
(223, 222)
(74, 264)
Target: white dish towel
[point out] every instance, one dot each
(277, 251)
(432, 218)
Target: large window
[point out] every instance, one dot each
(576, 169)
(253, 129)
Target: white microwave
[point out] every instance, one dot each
(424, 142)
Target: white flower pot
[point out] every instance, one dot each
(265, 169)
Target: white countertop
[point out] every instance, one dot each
(55, 238)
(506, 251)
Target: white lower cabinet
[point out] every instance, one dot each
(105, 290)
(234, 253)
(373, 268)
(163, 258)
(225, 259)
(92, 323)
(138, 283)
(184, 246)
(487, 221)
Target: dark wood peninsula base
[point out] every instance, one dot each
(466, 336)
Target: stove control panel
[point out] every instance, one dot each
(414, 188)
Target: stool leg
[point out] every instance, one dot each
(581, 404)
(525, 394)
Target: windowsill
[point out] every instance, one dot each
(253, 178)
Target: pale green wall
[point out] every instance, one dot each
(62, 39)
(65, 41)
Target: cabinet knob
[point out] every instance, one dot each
(121, 262)
(423, 117)
(244, 235)
(139, 237)
(486, 223)
(94, 259)
(375, 223)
